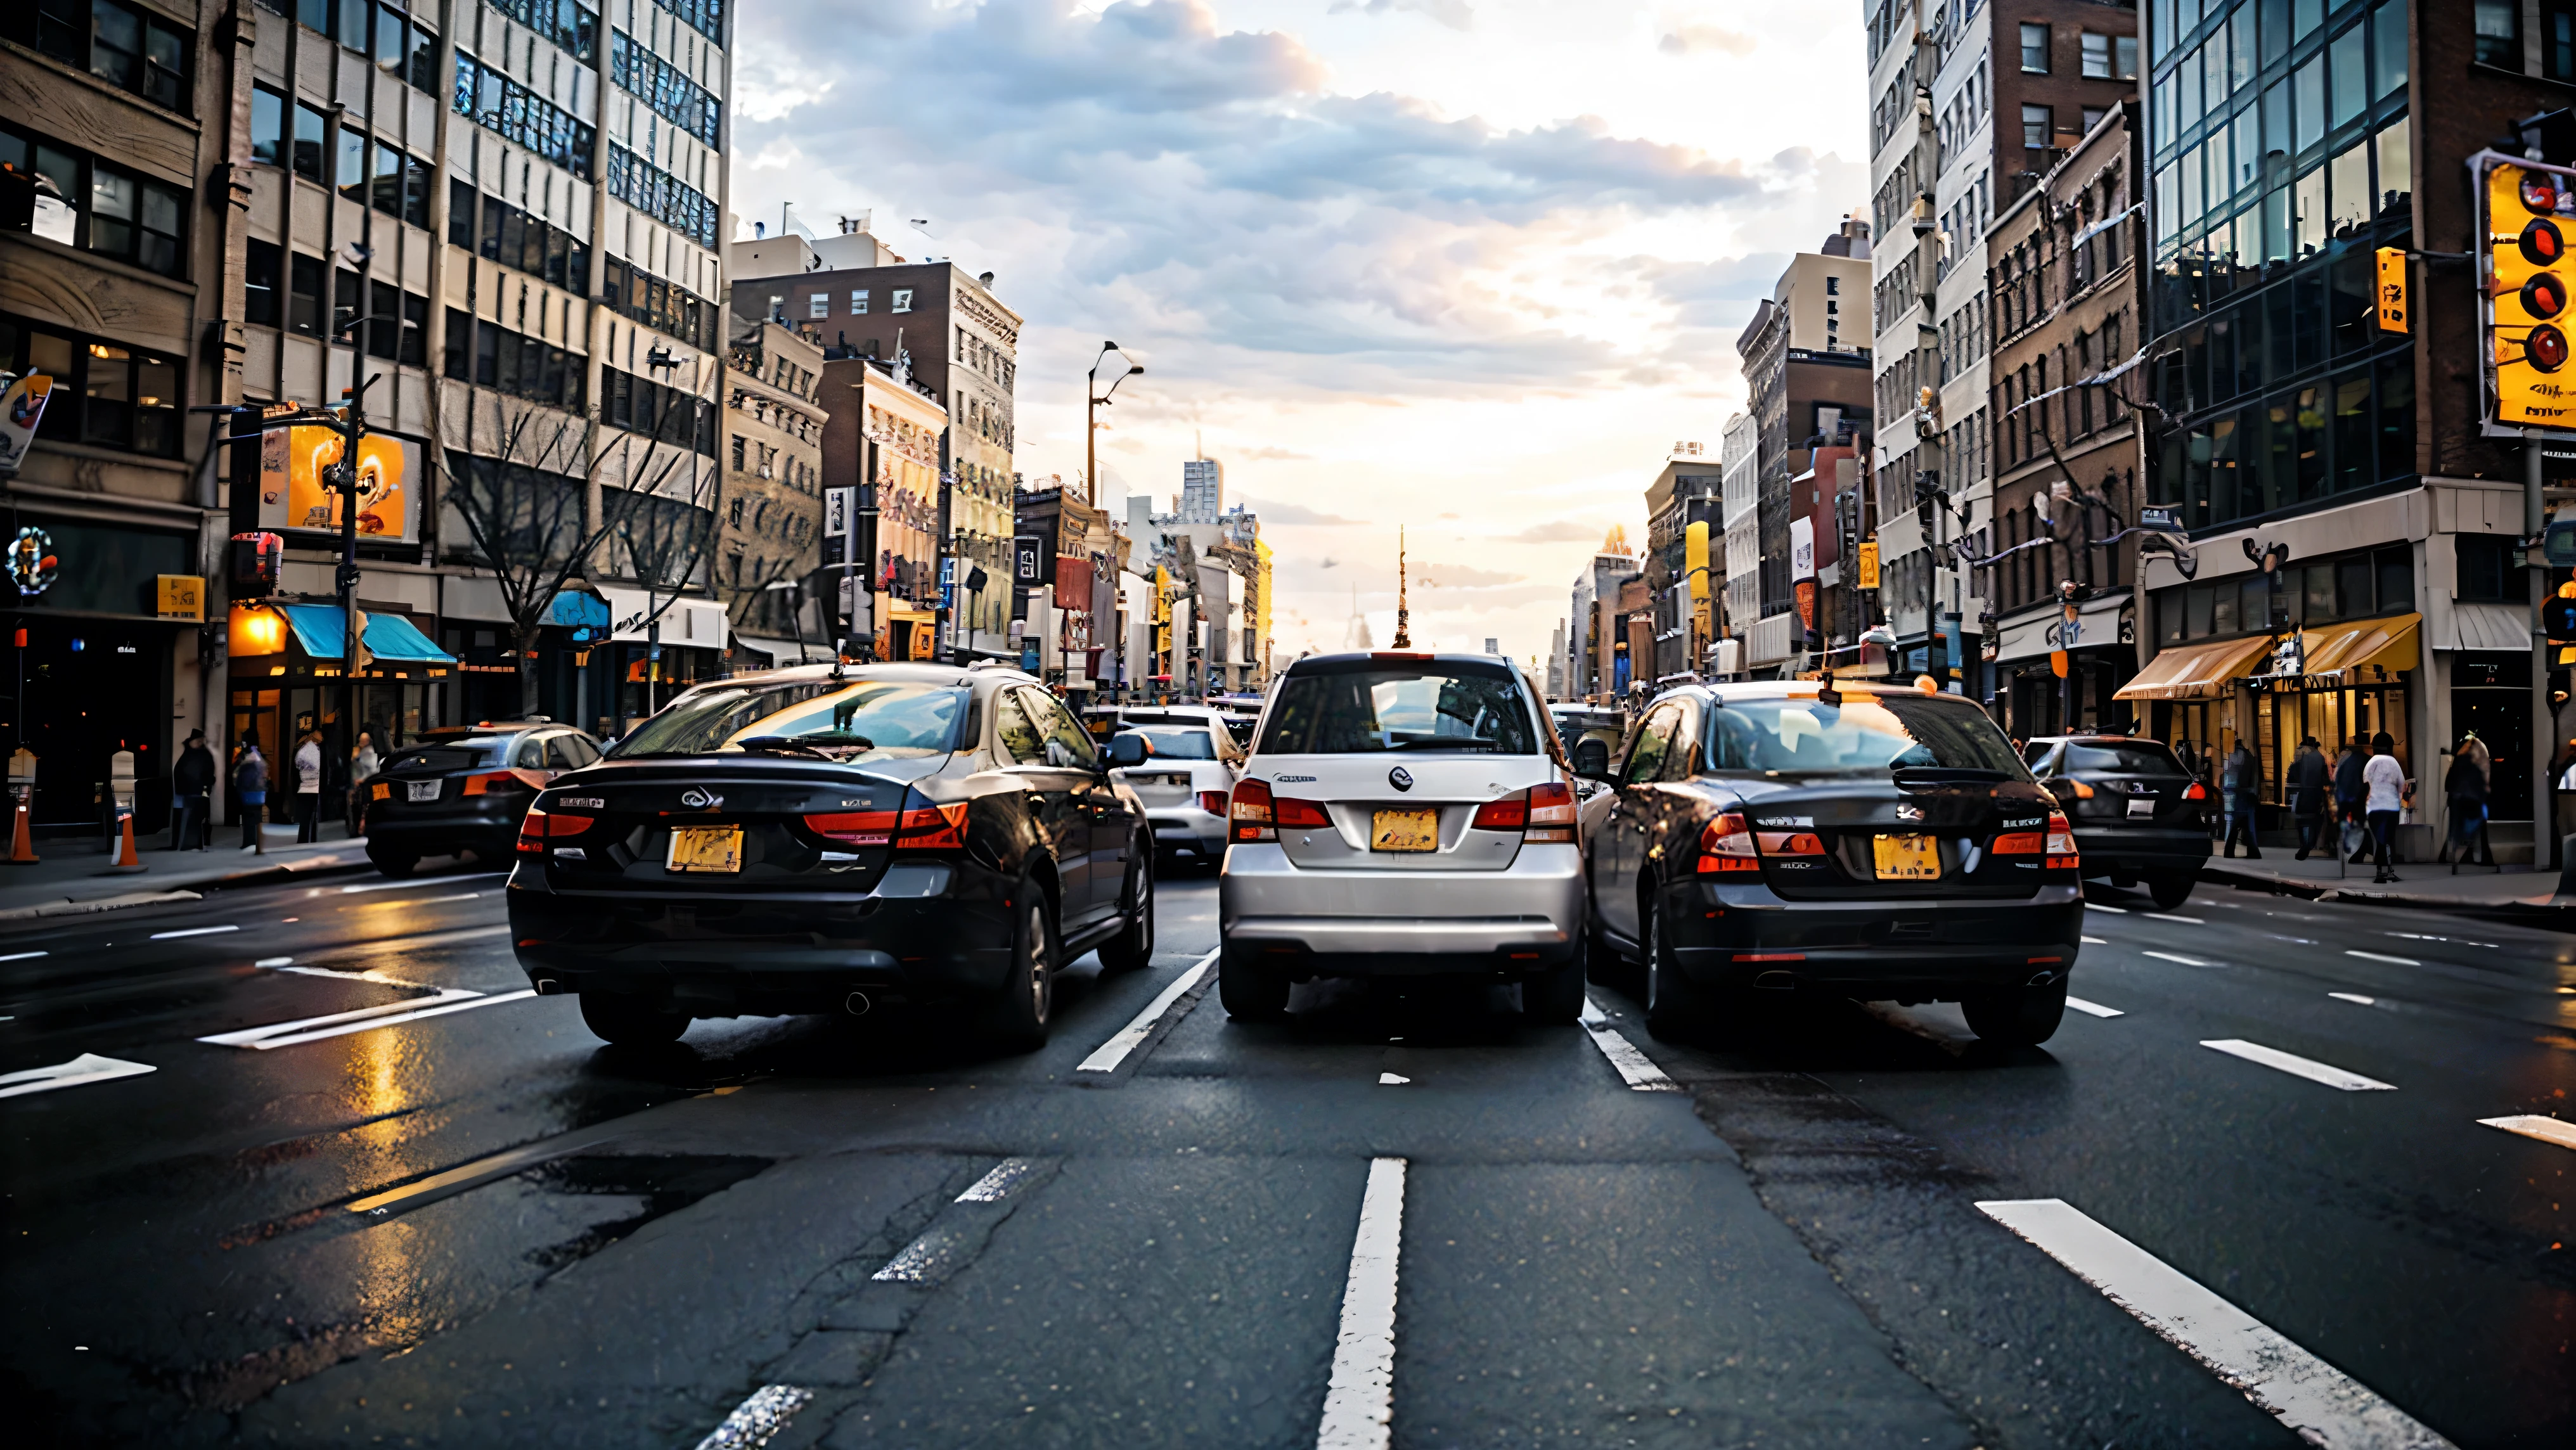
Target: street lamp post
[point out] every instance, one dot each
(1093, 401)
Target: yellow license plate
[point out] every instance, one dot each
(705, 849)
(1906, 858)
(1405, 831)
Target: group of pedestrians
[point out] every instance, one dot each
(192, 782)
(2360, 794)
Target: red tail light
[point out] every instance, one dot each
(1212, 802)
(502, 782)
(1551, 813)
(855, 828)
(1511, 813)
(1249, 815)
(2061, 845)
(1725, 844)
(929, 825)
(1790, 843)
(538, 829)
(2195, 792)
(2020, 843)
(1300, 813)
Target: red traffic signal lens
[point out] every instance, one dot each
(2540, 191)
(2546, 348)
(2543, 245)
(2544, 296)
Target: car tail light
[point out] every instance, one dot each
(1249, 813)
(2061, 844)
(1725, 844)
(1551, 813)
(1212, 802)
(2020, 843)
(537, 830)
(2083, 792)
(502, 782)
(855, 828)
(1510, 813)
(1300, 813)
(930, 825)
(2195, 792)
(1790, 843)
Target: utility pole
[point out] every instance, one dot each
(1093, 401)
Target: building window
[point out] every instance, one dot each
(1833, 286)
(104, 395)
(859, 302)
(2092, 118)
(2035, 124)
(261, 282)
(303, 293)
(2499, 27)
(819, 305)
(2097, 55)
(2124, 57)
(488, 97)
(2034, 49)
(903, 299)
(309, 142)
(100, 207)
(737, 467)
(267, 126)
(130, 49)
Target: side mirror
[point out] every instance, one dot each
(1128, 749)
(1592, 760)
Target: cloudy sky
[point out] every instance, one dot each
(1467, 266)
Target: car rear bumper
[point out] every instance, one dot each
(490, 833)
(2131, 851)
(1187, 828)
(1744, 936)
(1521, 920)
(768, 953)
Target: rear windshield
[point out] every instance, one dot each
(870, 720)
(455, 755)
(1174, 742)
(1866, 735)
(1368, 707)
(707, 719)
(2126, 757)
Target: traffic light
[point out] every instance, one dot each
(2395, 308)
(2558, 615)
(2531, 217)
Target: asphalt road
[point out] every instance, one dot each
(1392, 1217)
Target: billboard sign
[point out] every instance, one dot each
(295, 491)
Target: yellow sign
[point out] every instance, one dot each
(293, 493)
(1696, 567)
(1868, 564)
(183, 596)
(2394, 306)
(2530, 219)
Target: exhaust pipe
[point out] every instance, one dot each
(549, 987)
(857, 1004)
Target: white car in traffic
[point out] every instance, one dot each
(1187, 780)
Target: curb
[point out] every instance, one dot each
(2555, 915)
(195, 890)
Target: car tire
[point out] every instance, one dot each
(2170, 889)
(1133, 946)
(1251, 992)
(1016, 1016)
(1556, 997)
(2016, 1016)
(628, 1021)
(1674, 1003)
(393, 865)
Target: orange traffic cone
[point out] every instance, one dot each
(127, 859)
(22, 840)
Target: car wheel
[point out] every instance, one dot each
(628, 1021)
(1251, 992)
(2171, 889)
(394, 865)
(1674, 1003)
(1016, 1016)
(2016, 1016)
(1133, 947)
(1557, 997)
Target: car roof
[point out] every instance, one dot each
(1344, 657)
(921, 671)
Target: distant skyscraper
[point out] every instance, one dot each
(1202, 491)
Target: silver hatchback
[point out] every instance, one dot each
(1402, 815)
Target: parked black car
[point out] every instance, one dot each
(806, 841)
(1875, 842)
(464, 788)
(2139, 816)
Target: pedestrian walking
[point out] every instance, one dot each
(2464, 800)
(2384, 780)
(2241, 783)
(2350, 793)
(2309, 782)
(192, 782)
(365, 767)
(250, 781)
(308, 789)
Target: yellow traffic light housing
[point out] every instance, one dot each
(2396, 308)
(2530, 220)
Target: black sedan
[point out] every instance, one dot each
(1870, 841)
(813, 840)
(463, 788)
(2139, 816)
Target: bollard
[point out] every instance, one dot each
(120, 795)
(22, 808)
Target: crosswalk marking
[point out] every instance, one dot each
(87, 1068)
(2382, 957)
(1359, 1399)
(1110, 1054)
(2313, 1399)
(2176, 958)
(2296, 1066)
(362, 1019)
(2094, 1008)
(756, 1420)
(1635, 1069)
(2532, 1125)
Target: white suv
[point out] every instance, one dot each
(1403, 815)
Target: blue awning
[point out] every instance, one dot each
(575, 609)
(391, 638)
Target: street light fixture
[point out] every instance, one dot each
(1094, 400)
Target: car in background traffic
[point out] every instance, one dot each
(1185, 783)
(1592, 735)
(463, 788)
(1402, 816)
(1874, 842)
(2139, 817)
(817, 840)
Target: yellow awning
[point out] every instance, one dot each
(906, 614)
(2194, 671)
(2364, 651)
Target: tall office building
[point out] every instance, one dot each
(1202, 490)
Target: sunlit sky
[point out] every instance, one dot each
(1466, 266)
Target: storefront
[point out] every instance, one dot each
(2100, 653)
(909, 632)
(658, 646)
(288, 678)
(2188, 695)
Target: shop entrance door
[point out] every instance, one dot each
(2490, 697)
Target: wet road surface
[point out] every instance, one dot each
(354, 1186)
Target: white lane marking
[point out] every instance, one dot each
(2169, 916)
(1359, 1399)
(89, 1067)
(2377, 957)
(2313, 1399)
(1132, 1036)
(1389, 1079)
(396, 885)
(2093, 941)
(2114, 910)
(192, 931)
(2170, 957)
(2094, 1008)
(20, 956)
(995, 1186)
(2296, 1066)
(2532, 1125)
(920, 1259)
(274, 962)
(484, 1170)
(1636, 1069)
(756, 1420)
(2354, 997)
(364, 1019)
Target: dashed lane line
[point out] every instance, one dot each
(415, 885)
(2355, 998)
(87, 1068)
(363, 1019)
(2169, 916)
(192, 931)
(2094, 1009)
(2380, 957)
(1359, 1398)
(1635, 1069)
(2114, 910)
(757, 1420)
(2313, 1399)
(2177, 958)
(2532, 1125)
(21, 956)
(1108, 1056)
(2296, 1066)
(2093, 941)
(1392, 1079)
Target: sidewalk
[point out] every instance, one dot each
(72, 876)
(2517, 892)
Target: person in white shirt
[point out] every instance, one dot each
(308, 788)
(2385, 781)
